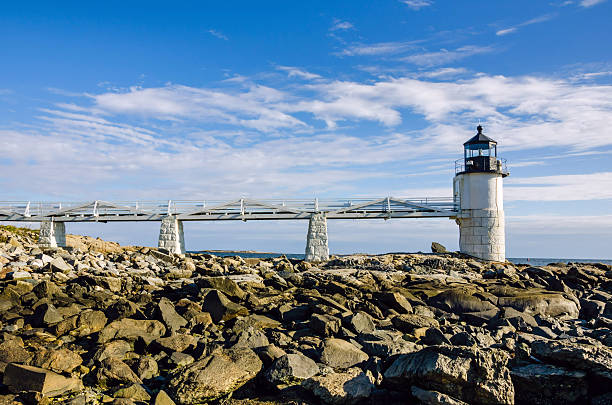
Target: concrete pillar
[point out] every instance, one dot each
(481, 220)
(171, 235)
(52, 234)
(316, 241)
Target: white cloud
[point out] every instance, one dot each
(515, 28)
(340, 25)
(574, 187)
(560, 225)
(417, 4)
(218, 34)
(506, 31)
(590, 3)
(254, 108)
(381, 48)
(444, 56)
(296, 72)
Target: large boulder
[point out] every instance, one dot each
(214, 376)
(345, 388)
(595, 360)
(221, 308)
(59, 360)
(542, 303)
(132, 329)
(473, 375)
(338, 353)
(543, 384)
(291, 369)
(167, 314)
(460, 301)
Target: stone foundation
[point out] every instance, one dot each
(171, 235)
(52, 234)
(316, 241)
(482, 234)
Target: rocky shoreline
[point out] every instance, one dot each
(99, 323)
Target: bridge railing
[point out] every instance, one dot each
(27, 209)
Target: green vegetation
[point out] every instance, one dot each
(18, 231)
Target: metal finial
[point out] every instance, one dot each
(479, 129)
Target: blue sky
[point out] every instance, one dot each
(276, 99)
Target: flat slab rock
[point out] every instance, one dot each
(20, 378)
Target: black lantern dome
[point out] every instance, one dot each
(480, 155)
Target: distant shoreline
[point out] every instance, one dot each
(535, 261)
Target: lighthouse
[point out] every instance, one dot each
(478, 193)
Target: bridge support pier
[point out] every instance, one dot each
(316, 240)
(52, 234)
(171, 235)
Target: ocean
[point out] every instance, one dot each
(534, 261)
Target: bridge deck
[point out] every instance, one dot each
(242, 209)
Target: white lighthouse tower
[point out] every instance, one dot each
(478, 191)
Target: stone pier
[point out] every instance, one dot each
(171, 235)
(316, 241)
(52, 234)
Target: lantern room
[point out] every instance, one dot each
(480, 155)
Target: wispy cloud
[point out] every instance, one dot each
(340, 25)
(590, 3)
(380, 48)
(574, 187)
(445, 56)
(417, 4)
(218, 34)
(300, 73)
(515, 28)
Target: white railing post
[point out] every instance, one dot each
(26, 213)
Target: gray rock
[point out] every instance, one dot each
(252, 338)
(178, 342)
(132, 329)
(460, 301)
(325, 325)
(438, 248)
(221, 308)
(58, 264)
(291, 369)
(409, 322)
(395, 301)
(116, 348)
(12, 351)
(135, 392)
(360, 322)
(113, 371)
(596, 360)
(345, 388)
(338, 353)
(477, 376)
(543, 384)
(542, 303)
(224, 284)
(214, 376)
(181, 359)
(168, 315)
(434, 397)
(59, 360)
(147, 368)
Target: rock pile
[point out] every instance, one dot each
(142, 326)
